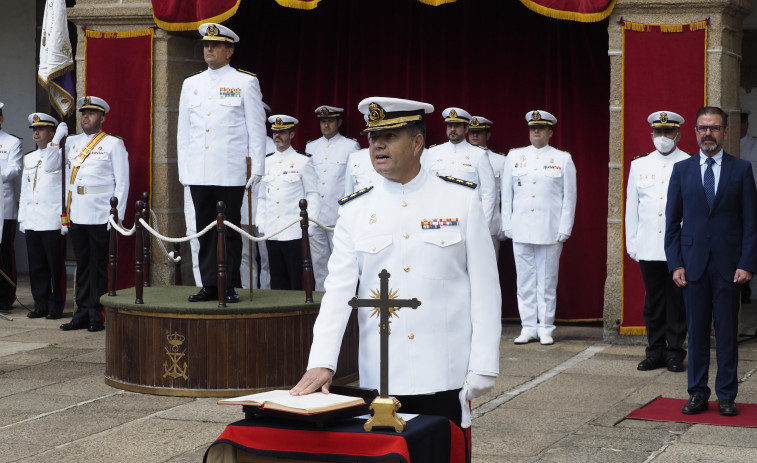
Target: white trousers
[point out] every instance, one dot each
(194, 245)
(321, 245)
(536, 266)
(244, 266)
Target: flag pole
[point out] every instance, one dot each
(249, 224)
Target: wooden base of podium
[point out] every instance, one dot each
(169, 346)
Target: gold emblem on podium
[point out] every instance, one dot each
(175, 370)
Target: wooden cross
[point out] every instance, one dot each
(386, 305)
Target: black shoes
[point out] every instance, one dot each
(676, 366)
(232, 296)
(727, 408)
(205, 294)
(94, 327)
(73, 325)
(651, 364)
(696, 405)
(53, 316)
(34, 314)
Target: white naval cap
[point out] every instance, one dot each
(540, 117)
(328, 111)
(217, 33)
(266, 107)
(456, 115)
(281, 122)
(665, 119)
(92, 102)
(1, 105)
(41, 120)
(480, 123)
(385, 113)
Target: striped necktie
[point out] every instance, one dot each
(709, 182)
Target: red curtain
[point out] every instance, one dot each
(119, 70)
(681, 47)
(476, 54)
(574, 10)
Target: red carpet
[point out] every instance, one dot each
(665, 409)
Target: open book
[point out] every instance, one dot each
(310, 404)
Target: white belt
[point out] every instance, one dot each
(89, 190)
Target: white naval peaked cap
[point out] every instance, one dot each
(41, 120)
(1, 105)
(540, 117)
(456, 115)
(92, 102)
(328, 111)
(386, 113)
(281, 122)
(266, 107)
(480, 123)
(665, 119)
(217, 33)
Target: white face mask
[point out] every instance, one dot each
(664, 144)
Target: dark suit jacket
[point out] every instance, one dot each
(729, 230)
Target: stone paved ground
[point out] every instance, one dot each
(561, 403)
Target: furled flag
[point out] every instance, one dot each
(56, 62)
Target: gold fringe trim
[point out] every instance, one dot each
(633, 330)
(192, 26)
(568, 15)
(436, 2)
(665, 28)
(299, 4)
(92, 34)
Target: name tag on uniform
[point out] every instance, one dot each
(226, 92)
(432, 224)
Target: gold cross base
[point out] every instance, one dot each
(385, 414)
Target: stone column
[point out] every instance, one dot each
(723, 79)
(174, 58)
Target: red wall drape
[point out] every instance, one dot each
(495, 59)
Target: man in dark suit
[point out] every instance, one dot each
(711, 248)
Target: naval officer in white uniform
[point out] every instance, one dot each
(221, 123)
(458, 158)
(97, 168)
(538, 207)
(329, 154)
(646, 198)
(10, 169)
(289, 177)
(430, 234)
(39, 219)
(360, 172)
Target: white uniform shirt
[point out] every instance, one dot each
(10, 165)
(450, 269)
(105, 170)
(40, 203)
(466, 162)
(646, 197)
(289, 177)
(497, 160)
(749, 152)
(270, 147)
(330, 162)
(538, 194)
(221, 122)
(360, 172)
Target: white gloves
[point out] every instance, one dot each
(475, 386)
(562, 237)
(501, 236)
(63, 230)
(632, 255)
(60, 132)
(254, 180)
(508, 233)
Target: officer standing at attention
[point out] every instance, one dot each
(329, 157)
(479, 132)
(646, 197)
(538, 207)
(221, 123)
(39, 219)
(430, 234)
(360, 172)
(97, 168)
(10, 169)
(289, 177)
(458, 158)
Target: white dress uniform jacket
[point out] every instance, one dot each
(538, 194)
(40, 203)
(289, 177)
(330, 162)
(497, 160)
(360, 172)
(646, 197)
(748, 152)
(450, 269)
(10, 165)
(221, 122)
(270, 147)
(103, 174)
(466, 162)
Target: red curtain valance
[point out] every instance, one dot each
(187, 15)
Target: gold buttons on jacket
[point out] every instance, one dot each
(403, 204)
(405, 235)
(410, 336)
(406, 268)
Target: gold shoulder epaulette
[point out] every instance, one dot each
(310, 141)
(247, 72)
(458, 181)
(432, 145)
(304, 153)
(501, 154)
(23, 159)
(480, 147)
(640, 156)
(195, 73)
(355, 195)
(112, 135)
(518, 148)
(354, 139)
